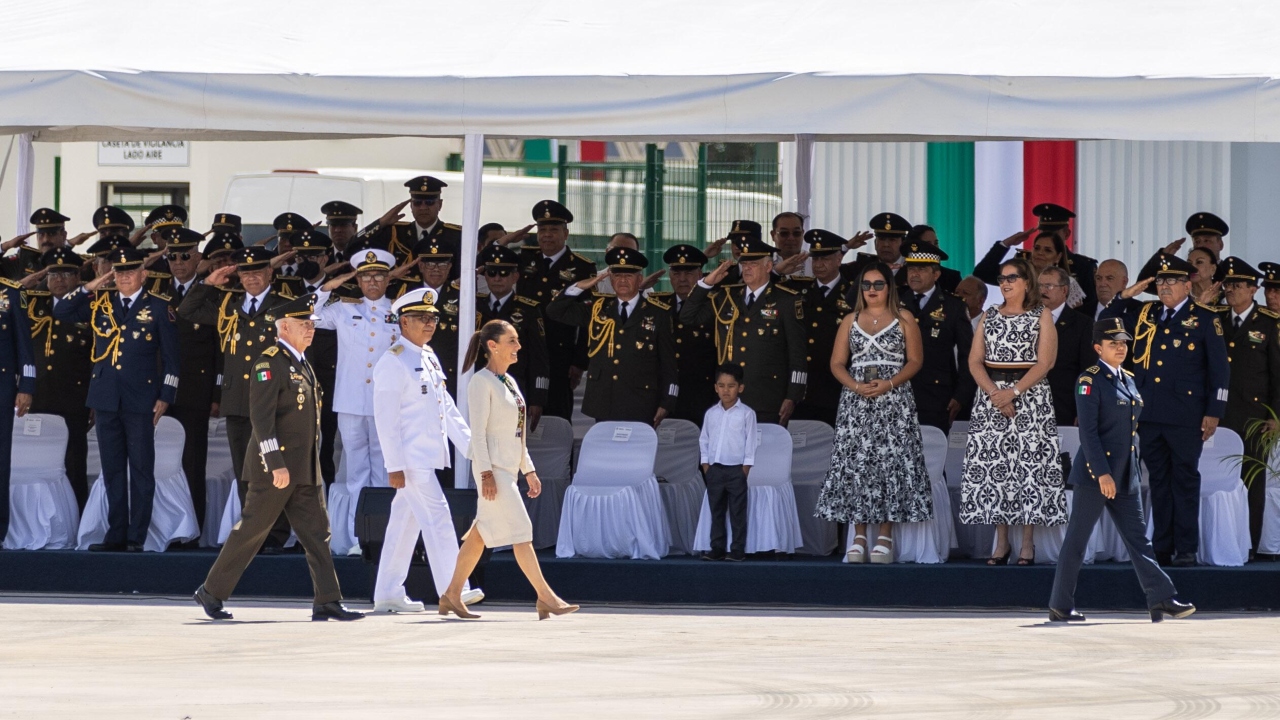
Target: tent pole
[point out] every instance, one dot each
(472, 183)
(804, 148)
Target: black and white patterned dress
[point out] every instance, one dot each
(1012, 474)
(877, 466)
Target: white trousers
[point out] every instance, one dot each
(418, 508)
(363, 455)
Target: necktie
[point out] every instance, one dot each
(920, 299)
(178, 292)
(253, 306)
(825, 292)
(1164, 318)
(623, 313)
(1235, 322)
(125, 302)
(497, 305)
(546, 264)
(751, 298)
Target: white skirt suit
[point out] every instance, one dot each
(496, 415)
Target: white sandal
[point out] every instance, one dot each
(882, 553)
(857, 553)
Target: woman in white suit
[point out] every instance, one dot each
(498, 455)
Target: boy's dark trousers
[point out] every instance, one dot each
(727, 491)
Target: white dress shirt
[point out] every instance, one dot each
(575, 291)
(423, 231)
(1057, 313)
(927, 295)
(248, 298)
(729, 436)
(1241, 317)
(297, 356)
(415, 416)
(365, 331)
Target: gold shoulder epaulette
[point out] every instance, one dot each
(483, 294)
(658, 303)
(1211, 308)
(10, 283)
(1268, 312)
(661, 293)
(1127, 371)
(456, 284)
(1092, 370)
(602, 295)
(786, 289)
(346, 299)
(451, 226)
(579, 257)
(801, 278)
(158, 274)
(527, 301)
(271, 351)
(38, 293)
(397, 349)
(162, 296)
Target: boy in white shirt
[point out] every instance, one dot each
(728, 444)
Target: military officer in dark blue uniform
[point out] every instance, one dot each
(1105, 475)
(1052, 232)
(340, 222)
(135, 379)
(1180, 363)
(434, 260)
(826, 302)
(695, 343)
(397, 237)
(546, 269)
(1253, 349)
(502, 274)
(18, 371)
(943, 388)
(288, 224)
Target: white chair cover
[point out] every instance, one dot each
(551, 448)
(93, 461)
(613, 508)
(1224, 502)
(1269, 542)
(42, 508)
(679, 480)
(773, 523)
(220, 481)
(811, 445)
(929, 541)
(173, 516)
(341, 505)
(972, 540)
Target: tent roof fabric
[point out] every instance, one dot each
(704, 70)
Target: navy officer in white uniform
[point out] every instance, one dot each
(416, 418)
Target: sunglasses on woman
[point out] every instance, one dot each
(1008, 279)
(874, 285)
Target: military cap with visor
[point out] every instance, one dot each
(47, 219)
(422, 300)
(1110, 329)
(550, 212)
(425, 186)
(110, 216)
(684, 256)
(887, 223)
(823, 242)
(624, 259)
(1206, 223)
(167, 216)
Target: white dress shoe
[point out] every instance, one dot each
(472, 596)
(403, 605)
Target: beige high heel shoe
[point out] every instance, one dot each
(545, 611)
(448, 606)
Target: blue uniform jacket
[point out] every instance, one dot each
(1107, 410)
(16, 359)
(135, 355)
(1180, 366)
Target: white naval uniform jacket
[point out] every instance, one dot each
(415, 416)
(365, 330)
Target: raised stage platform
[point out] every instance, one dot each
(678, 580)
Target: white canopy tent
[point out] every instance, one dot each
(648, 69)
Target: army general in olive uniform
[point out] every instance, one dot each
(631, 376)
(283, 473)
(943, 388)
(502, 274)
(758, 325)
(826, 302)
(695, 342)
(1253, 350)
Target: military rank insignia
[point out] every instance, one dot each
(262, 372)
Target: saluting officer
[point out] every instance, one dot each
(220, 249)
(286, 225)
(158, 221)
(502, 273)
(631, 375)
(1206, 231)
(241, 318)
(135, 380)
(1180, 363)
(826, 303)
(889, 230)
(548, 269)
(758, 325)
(695, 343)
(424, 205)
(1253, 350)
(435, 266)
(63, 367)
(1053, 223)
(340, 221)
(1271, 285)
(113, 226)
(199, 357)
(365, 331)
(50, 231)
(18, 370)
(1105, 476)
(305, 270)
(943, 388)
(416, 419)
(284, 471)
(227, 223)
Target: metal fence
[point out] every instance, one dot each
(662, 202)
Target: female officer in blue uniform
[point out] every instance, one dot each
(1105, 475)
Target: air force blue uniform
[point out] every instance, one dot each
(1107, 409)
(17, 375)
(135, 354)
(1180, 367)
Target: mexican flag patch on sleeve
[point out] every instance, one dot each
(1084, 389)
(263, 375)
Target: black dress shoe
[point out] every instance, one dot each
(736, 557)
(335, 611)
(107, 547)
(1172, 607)
(211, 605)
(1164, 559)
(1065, 616)
(1184, 560)
(270, 550)
(713, 556)
(133, 547)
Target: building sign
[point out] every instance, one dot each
(158, 153)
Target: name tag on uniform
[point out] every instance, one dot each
(1122, 401)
